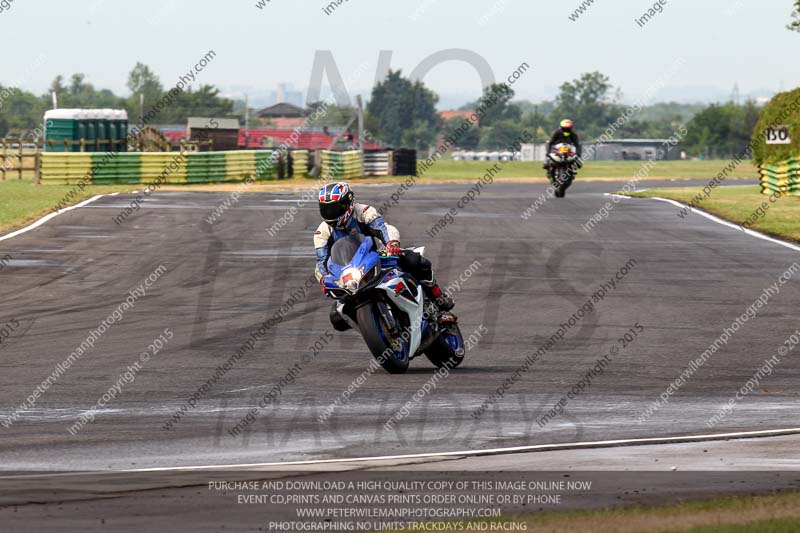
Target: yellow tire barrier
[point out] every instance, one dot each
(66, 168)
(783, 178)
(157, 167)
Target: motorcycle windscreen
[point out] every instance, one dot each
(353, 250)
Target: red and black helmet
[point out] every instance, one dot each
(567, 125)
(336, 204)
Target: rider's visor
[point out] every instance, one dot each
(332, 211)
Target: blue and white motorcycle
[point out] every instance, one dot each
(388, 307)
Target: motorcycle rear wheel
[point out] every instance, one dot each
(448, 348)
(377, 340)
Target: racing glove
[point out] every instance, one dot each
(393, 248)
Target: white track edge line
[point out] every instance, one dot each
(718, 220)
(493, 451)
(51, 216)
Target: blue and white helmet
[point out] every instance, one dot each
(336, 201)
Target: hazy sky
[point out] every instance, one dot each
(722, 42)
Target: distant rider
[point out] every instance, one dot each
(564, 134)
(342, 216)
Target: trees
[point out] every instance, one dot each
(501, 135)
(721, 130)
(20, 111)
(403, 111)
(79, 93)
(204, 101)
(331, 115)
(590, 101)
(537, 122)
(496, 105)
(795, 25)
(464, 137)
(421, 135)
(142, 80)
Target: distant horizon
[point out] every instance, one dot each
(260, 48)
(448, 102)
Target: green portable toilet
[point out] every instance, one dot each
(61, 125)
(92, 120)
(112, 131)
(104, 128)
(121, 121)
(83, 128)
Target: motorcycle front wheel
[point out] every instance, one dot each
(562, 181)
(392, 354)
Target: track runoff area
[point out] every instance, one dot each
(195, 358)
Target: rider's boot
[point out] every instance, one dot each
(438, 296)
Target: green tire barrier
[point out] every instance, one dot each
(266, 168)
(783, 177)
(341, 165)
(124, 168)
(161, 167)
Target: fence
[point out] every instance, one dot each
(14, 156)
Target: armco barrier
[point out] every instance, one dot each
(165, 167)
(783, 177)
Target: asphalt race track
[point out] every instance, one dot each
(691, 279)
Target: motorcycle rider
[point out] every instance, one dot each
(564, 134)
(342, 216)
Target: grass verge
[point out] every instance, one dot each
(22, 202)
(740, 204)
(778, 513)
(620, 170)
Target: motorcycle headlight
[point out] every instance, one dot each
(351, 279)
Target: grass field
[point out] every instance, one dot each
(22, 202)
(759, 514)
(739, 204)
(592, 169)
